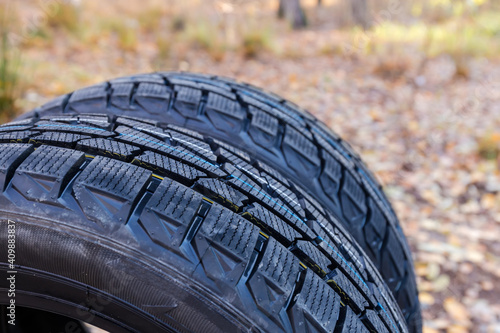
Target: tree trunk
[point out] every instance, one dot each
(360, 14)
(292, 10)
(281, 9)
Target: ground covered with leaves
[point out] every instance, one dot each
(426, 122)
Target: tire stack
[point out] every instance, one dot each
(178, 202)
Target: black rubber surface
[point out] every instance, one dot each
(267, 128)
(95, 197)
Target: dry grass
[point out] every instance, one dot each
(10, 89)
(125, 30)
(127, 37)
(150, 18)
(164, 47)
(154, 34)
(489, 146)
(64, 15)
(206, 36)
(392, 67)
(255, 42)
(331, 49)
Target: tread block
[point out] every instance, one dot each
(312, 208)
(182, 82)
(194, 145)
(351, 324)
(350, 252)
(393, 262)
(313, 257)
(187, 101)
(220, 192)
(145, 128)
(129, 135)
(168, 166)
(257, 101)
(16, 137)
(95, 120)
(346, 265)
(138, 78)
(267, 171)
(242, 181)
(43, 174)
(58, 138)
(353, 198)
(272, 284)
(374, 323)
(10, 128)
(136, 122)
(300, 153)
(236, 162)
(91, 98)
(374, 231)
(239, 153)
(407, 293)
(185, 131)
(19, 123)
(101, 146)
(331, 177)
(296, 109)
(224, 113)
(168, 214)
(153, 97)
(331, 147)
(348, 292)
(238, 235)
(55, 106)
(215, 219)
(317, 307)
(231, 243)
(271, 223)
(285, 194)
(120, 98)
(385, 312)
(107, 190)
(54, 126)
(11, 155)
(220, 89)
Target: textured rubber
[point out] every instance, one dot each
(267, 128)
(264, 250)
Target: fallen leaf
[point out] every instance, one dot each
(456, 310)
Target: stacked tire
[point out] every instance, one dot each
(178, 202)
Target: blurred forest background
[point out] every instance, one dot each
(413, 85)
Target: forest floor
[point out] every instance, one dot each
(429, 128)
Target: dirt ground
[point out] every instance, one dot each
(428, 128)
